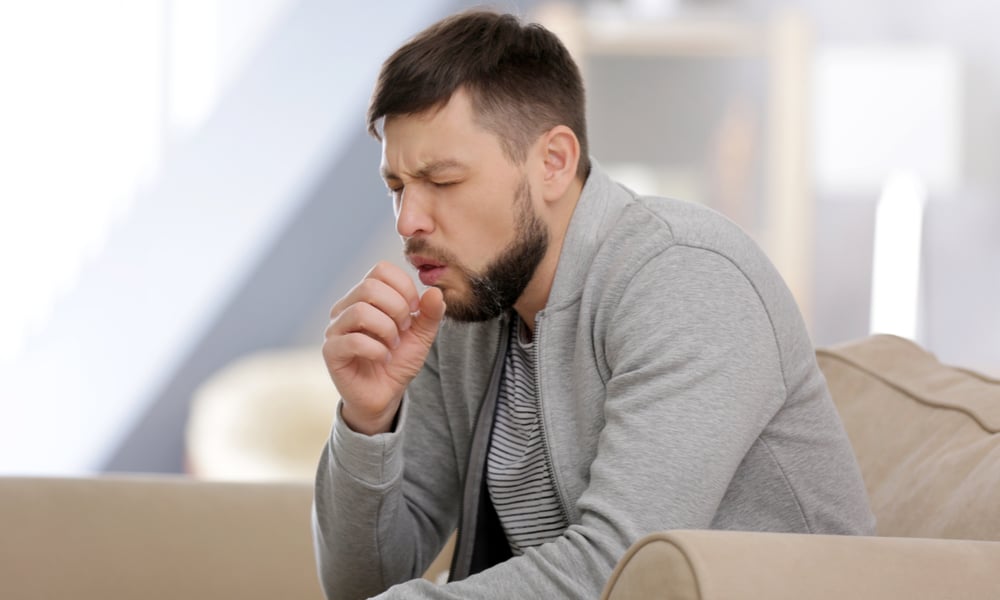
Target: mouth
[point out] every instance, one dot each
(428, 270)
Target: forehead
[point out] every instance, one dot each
(445, 134)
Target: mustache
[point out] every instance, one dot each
(423, 248)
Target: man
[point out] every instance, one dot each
(586, 367)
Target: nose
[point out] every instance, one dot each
(413, 216)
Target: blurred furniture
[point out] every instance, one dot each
(927, 437)
(265, 417)
(155, 539)
(158, 538)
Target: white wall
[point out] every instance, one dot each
(223, 198)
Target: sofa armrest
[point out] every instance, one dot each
(709, 565)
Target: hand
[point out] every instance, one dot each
(376, 343)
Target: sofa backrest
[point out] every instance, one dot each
(927, 437)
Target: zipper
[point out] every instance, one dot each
(541, 417)
(462, 559)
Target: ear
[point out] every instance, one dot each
(560, 157)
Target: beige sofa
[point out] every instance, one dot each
(154, 539)
(157, 538)
(927, 437)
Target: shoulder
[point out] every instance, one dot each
(671, 265)
(671, 269)
(675, 241)
(656, 224)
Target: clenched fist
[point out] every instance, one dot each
(376, 343)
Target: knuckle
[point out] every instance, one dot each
(380, 269)
(357, 344)
(348, 312)
(335, 310)
(329, 353)
(368, 287)
(360, 314)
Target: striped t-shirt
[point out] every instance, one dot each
(517, 471)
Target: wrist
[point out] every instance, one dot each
(367, 423)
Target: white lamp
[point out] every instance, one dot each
(899, 219)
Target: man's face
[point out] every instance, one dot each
(466, 214)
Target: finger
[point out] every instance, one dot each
(398, 280)
(369, 320)
(389, 288)
(341, 350)
(381, 296)
(432, 309)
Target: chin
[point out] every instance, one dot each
(452, 298)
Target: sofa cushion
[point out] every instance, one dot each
(927, 437)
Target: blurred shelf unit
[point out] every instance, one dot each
(707, 38)
(783, 44)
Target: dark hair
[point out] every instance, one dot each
(521, 79)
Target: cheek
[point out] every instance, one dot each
(482, 224)
(482, 249)
(496, 229)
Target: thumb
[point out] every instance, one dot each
(432, 306)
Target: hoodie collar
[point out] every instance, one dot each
(598, 209)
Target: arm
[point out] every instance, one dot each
(695, 377)
(377, 522)
(372, 526)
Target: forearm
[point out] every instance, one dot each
(358, 483)
(377, 522)
(576, 565)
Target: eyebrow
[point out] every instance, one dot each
(427, 170)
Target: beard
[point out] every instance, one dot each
(495, 290)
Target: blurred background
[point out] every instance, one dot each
(186, 186)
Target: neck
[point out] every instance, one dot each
(536, 294)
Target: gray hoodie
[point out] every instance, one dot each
(678, 389)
